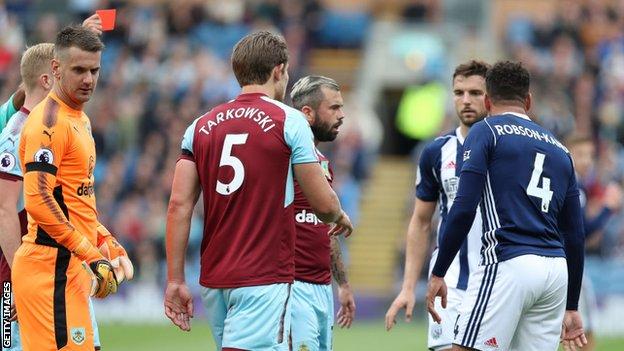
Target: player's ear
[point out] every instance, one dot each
(56, 68)
(488, 103)
(527, 102)
(279, 71)
(308, 112)
(45, 80)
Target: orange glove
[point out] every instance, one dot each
(115, 253)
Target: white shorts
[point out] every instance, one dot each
(515, 305)
(440, 336)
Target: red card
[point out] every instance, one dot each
(108, 18)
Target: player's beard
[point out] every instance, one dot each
(324, 131)
(468, 122)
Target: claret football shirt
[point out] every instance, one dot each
(244, 151)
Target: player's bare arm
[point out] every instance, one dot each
(322, 198)
(10, 238)
(337, 266)
(436, 288)
(572, 334)
(184, 194)
(346, 313)
(417, 242)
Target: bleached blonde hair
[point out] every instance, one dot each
(36, 61)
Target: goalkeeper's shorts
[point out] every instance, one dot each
(51, 290)
(16, 344)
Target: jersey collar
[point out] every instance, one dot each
(521, 115)
(250, 96)
(459, 136)
(71, 111)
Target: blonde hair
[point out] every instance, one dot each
(36, 61)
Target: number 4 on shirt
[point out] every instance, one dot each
(544, 193)
(228, 160)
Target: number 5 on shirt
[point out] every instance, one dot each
(228, 160)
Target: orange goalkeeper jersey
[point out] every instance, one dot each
(57, 153)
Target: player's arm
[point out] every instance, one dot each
(184, 194)
(42, 156)
(418, 231)
(310, 175)
(572, 230)
(346, 313)
(18, 98)
(12, 105)
(317, 191)
(458, 225)
(40, 170)
(571, 226)
(478, 146)
(10, 236)
(417, 242)
(459, 220)
(337, 265)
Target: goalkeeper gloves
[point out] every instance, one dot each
(104, 281)
(116, 254)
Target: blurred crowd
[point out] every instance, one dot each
(576, 58)
(165, 64)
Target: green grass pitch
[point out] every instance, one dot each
(362, 336)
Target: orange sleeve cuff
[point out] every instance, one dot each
(87, 252)
(102, 234)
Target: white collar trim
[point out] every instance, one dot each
(521, 115)
(459, 135)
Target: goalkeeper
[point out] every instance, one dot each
(58, 266)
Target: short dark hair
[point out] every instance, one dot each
(507, 81)
(79, 37)
(255, 56)
(471, 68)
